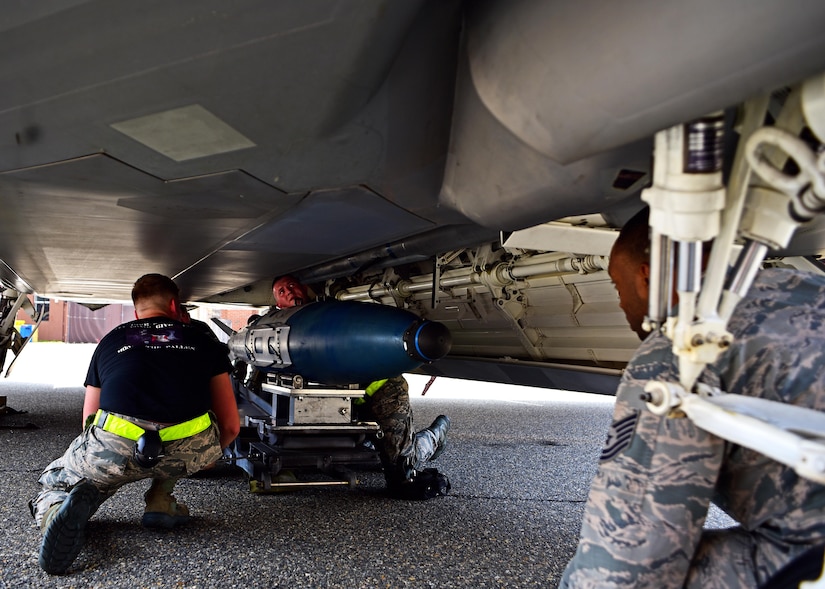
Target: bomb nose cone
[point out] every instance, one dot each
(428, 341)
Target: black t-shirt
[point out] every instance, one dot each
(156, 369)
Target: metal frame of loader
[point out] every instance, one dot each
(299, 435)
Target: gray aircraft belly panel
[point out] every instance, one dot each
(97, 222)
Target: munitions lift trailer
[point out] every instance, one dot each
(293, 429)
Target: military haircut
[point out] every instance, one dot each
(154, 286)
(282, 276)
(634, 238)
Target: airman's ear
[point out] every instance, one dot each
(644, 270)
(643, 279)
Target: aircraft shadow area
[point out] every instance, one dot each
(519, 472)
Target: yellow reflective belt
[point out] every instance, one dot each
(126, 429)
(374, 386)
(185, 429)
(370, 391)
(115, 425)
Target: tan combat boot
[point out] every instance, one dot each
(162, 509)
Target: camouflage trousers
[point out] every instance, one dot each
(401, 449)
(107, 461)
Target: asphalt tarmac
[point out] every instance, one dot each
(520, 462)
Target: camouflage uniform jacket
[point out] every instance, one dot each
(648, 502)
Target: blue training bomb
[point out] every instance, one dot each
(340, 342)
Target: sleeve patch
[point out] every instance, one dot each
(619, 436)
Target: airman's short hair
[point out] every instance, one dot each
(150, 286)
(634, 238)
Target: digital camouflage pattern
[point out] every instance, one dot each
(648, 502)
(106, 460)
(401, 450)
